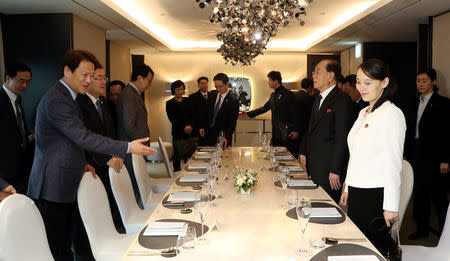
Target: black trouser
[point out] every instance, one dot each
(64, 228)
(291, 145)
(175, 160)
(429, 186)
(211, 137)
(365, 209)
(128, 162)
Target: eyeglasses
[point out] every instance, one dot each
(100, 78)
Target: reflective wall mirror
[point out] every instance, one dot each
(243, 89)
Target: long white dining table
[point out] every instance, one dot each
(251, 227)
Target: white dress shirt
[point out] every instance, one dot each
(422, 105)
(93, 99)
(221, 101)
(325, 93)
(376, 152)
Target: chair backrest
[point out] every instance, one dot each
(405, 194)
(166, 158)
(22, 231)
(123, 193)
(444, 241)
(142, 178)
(95, 212)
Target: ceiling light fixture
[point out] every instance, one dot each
(248, 25)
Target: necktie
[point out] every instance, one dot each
(19, 115)
(216, 110)
(99, 108)
(206, 96)
(317, 102)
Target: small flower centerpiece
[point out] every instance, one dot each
(244, 180)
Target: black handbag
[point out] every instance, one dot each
(184, 148)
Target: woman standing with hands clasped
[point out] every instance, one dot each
(372, 190)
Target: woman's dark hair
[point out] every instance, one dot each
(432, 74)
(202, 78)
(175, 85)
(275, 76)
(376, 69)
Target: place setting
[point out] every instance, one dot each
(287, 180)
(320, 213)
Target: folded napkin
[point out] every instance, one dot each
(295, 169)
(353, 258)
(198, 166)
(202, 155)
(192, 178)
(186, 196)
(301, 183)
(325, 212)
(207, 149)
(158, 228)
(280, 157)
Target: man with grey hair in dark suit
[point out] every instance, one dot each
(61, 140)
(132, 115)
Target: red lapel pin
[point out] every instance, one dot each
(328, 110)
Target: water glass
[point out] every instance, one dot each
(201, 205)
(189, 238)
(303, 210)
(284, 183)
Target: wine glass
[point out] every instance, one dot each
(303, 210)
(284, 183)
(201, 205)
(211, 182)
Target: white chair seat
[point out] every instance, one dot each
(133, 218)
(106, 243)
(22, 231)
(153, 200)
(421, 253)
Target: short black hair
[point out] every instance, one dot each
(141, 70)
(307, 83)
(73, 58)
(115, 82)
(221, 77)
(340, 78)
(11, 70)
(430, 72)
(351, 79)
(202, 78)
(176, 84)
(275, 76)
(335, 67)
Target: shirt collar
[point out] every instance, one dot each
(427, 97)
(72, 93)
(12, 96)
(93, 99)
(136, 88)
(326, 92)
(223, 95)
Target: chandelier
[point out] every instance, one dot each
(248, 25)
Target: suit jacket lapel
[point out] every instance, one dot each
(324, 107)
(427, 109)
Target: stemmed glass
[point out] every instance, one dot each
(201, 205)
(303, 210)
(211, 182)
(273, 159)
(284, 179)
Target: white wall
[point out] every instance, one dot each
(120, 62)
(441, 52)
(349, 63)
(187, 67)
(87, 36)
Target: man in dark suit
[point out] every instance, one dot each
(349, 87)
(113, 91)
(221, 114)
(324, 148)
(132, 116)
(427, 148)
(59, 162)
(97, 117)
(199, 101)
(304, 104)
(15, 154)
(284, 117)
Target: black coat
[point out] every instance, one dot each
(434, 129)
(226, 117)
(282, 104)
(304, 103)
(93, 122)
(15, 160)
(180, 114)
(325, 143)
(199, 106)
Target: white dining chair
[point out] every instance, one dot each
(170, 172)
(405, 195)
(133, 218)
(439, 253)
(151, 189)
(106, 243)
(22, 231)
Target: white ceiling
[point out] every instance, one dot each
(179, 25)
